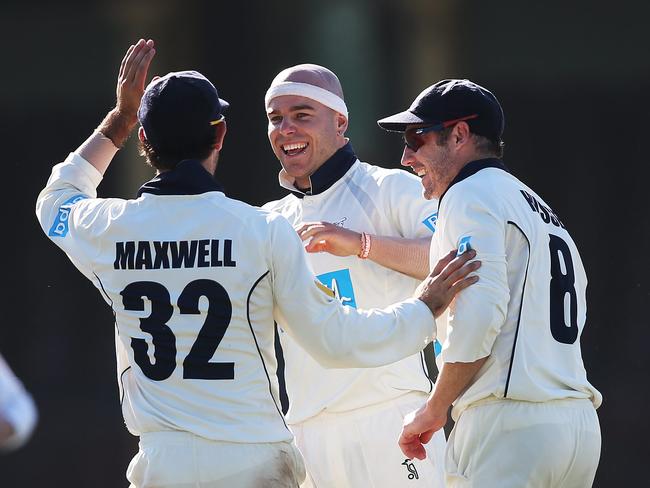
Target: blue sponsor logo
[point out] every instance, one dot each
(431, 221)
(464, 245)
(60, 226)
(437, 348)
(341, 284)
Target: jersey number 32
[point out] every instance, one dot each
(197, 363)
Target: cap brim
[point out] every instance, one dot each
(224, 105)
(398, 122)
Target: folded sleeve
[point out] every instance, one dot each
(70, 213)
(471, 220)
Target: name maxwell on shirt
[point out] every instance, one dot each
(199, 253)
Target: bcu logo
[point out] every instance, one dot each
(341, 284)
(431, 221)
(60, 226)
(463, 245)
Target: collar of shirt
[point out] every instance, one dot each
(189, 177)
(474, 167)
(325, 176)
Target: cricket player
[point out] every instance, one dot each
(525, 413)
(366, 230)
(18, 414)
(196, 280)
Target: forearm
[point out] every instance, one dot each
(454, 378)
(408, 256)
(98, 150)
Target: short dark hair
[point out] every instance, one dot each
(164, 159)
(483, 144)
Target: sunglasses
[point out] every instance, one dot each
(413, 139)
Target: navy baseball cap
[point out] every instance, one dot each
(450, 101)
(178, 110)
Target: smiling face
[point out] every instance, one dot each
(432, 162)
(303, 134)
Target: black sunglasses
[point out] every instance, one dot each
(412, 138)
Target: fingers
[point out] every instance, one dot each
(126, 56)
(138, 55)
(411, 446)
(443, 262)
(461, 273)
(129, 59)
(132, 65)
(425, 437)
(457, 263)
(316, 246)
(142, 69)
(309, 229)
(462, 284)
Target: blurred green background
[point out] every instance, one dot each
(574, 81)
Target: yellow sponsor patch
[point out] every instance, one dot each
(324, 289)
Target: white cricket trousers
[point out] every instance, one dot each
(182, 460)
(358, 449)
(516, 444)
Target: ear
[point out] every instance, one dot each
(341, 124)
(221, 135)
(141, 135)
(461, 134)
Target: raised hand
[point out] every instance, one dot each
(132, 76)
(120, 121)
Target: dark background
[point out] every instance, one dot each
(573, 79)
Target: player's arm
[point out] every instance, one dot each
(420, 425)
(72, 185)
(100, 148)
(344, 337)
(407, 256)
(471, 219)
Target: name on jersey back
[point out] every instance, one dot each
(198, 253)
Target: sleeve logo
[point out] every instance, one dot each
(60, 226)
(340, 284)
(464, 245)
(431, 221)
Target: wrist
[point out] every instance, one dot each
(366, 242)
(117, 126)
(436, 404)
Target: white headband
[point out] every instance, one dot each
(317, 93)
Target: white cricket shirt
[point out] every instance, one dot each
(528, 309)
(196, 280)
(368, 199)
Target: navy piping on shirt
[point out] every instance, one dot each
(330, 171)
(474, 167)
(189, 177)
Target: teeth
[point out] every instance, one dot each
(421, 172)
(292, 147)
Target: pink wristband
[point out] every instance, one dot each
(365, 246)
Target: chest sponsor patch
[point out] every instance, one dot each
(341, 284)
(431, 221)
(60, 226)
